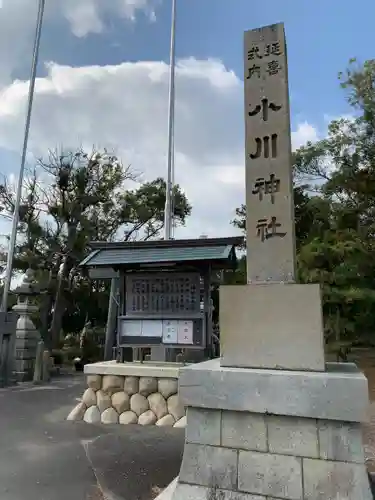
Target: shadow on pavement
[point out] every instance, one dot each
(44, 457)
(135, 463)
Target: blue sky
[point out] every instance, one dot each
(90, 103)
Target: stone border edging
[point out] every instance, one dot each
(137, 369)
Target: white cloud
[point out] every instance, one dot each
(18, 19)
(125, 107)
(83, 16)
(88, 16)
(305, 132)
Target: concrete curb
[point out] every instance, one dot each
(107, 495)
(168, 492)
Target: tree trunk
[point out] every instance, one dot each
(47, 303)
(59, 308)
(338, 335)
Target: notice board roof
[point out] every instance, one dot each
(217, 251)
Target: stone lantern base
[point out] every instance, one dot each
(27, 336)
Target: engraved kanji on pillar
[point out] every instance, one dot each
(271, 254)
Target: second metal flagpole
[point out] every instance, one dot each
(13, 236)
(170, 163)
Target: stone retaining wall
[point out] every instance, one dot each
(131, 398)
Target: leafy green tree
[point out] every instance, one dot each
(335, 214)
(342, 258)
(74, 198)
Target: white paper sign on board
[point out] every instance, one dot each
(170, 331)
(185, 332)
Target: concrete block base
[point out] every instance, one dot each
(181, 491)
(26, 346)
(23, 376)
(339, 393)
(287, 317)
(24, 368)
(241, 454)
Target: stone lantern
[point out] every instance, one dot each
(27, 336)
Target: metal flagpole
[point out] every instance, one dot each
(161, 353)
(168, 197)
(173, 200)
(13, 236)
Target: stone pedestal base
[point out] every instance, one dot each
(249, 444)
(26, 345)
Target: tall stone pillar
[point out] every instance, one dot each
(270, 419)
(27, 336)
